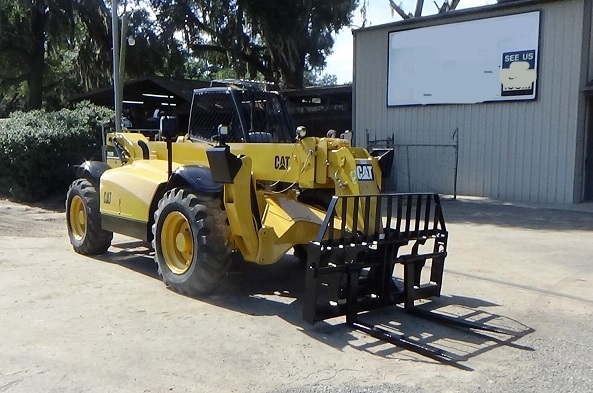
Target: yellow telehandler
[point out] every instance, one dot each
(242, 180)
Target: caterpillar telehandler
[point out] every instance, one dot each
(241, 180)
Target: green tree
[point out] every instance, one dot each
(298, 33)
(51, 50)
(320, 79)
(278, 39)
(155, 51)
(43, 39)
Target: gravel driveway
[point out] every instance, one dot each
(70, 323)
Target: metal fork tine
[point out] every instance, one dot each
(356, 200)
(418, 212)
(437, 214)
(399, 216)
(408, 215)
(344, 219)
(378, 217)
(388, 228)
(367, 214)
(331, 225)
(427, 213)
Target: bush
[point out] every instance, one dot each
(39, 150)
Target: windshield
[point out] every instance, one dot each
(209, 110)
(264, 117)
(251, 116)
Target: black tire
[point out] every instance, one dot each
(190, 239)
(83, 219)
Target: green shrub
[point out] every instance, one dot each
(39, 150)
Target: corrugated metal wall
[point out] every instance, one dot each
(523, 151)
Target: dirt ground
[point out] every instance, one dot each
(70, 323)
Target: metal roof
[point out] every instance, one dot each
(141, 89)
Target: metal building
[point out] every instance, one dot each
(460, 128)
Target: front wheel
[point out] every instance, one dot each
(191, 241)
(83, 219)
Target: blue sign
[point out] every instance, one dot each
(518, 73)
(524, 55)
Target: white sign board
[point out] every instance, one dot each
(492, 59)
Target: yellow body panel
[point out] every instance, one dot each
(264, 233)
(286, 222)
(310, 163)
(127, 191)
(237, 202)
(285, 162)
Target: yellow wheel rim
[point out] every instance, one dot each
(77, 218)
(177, 243)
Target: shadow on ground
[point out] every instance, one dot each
(278, 290)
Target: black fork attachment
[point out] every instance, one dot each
(351, 264)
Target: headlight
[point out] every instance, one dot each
(301, 132)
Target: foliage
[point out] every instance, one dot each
(52, 50)
(319, 79)
(39, 149)
(298, 33)
(48, 48)
(278, 40)
(154, 51)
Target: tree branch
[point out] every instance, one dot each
(201, 25)
(419, 5)
(8, 82)
(399, 10)
(250, 58)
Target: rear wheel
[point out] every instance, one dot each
(83, 219)
(191, 241)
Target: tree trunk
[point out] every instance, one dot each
(38, 21)
(293, 76)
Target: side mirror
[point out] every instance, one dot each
(168, 127)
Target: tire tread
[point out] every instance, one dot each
(96, 240)
(208, 219)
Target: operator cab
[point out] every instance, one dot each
(251, 116)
